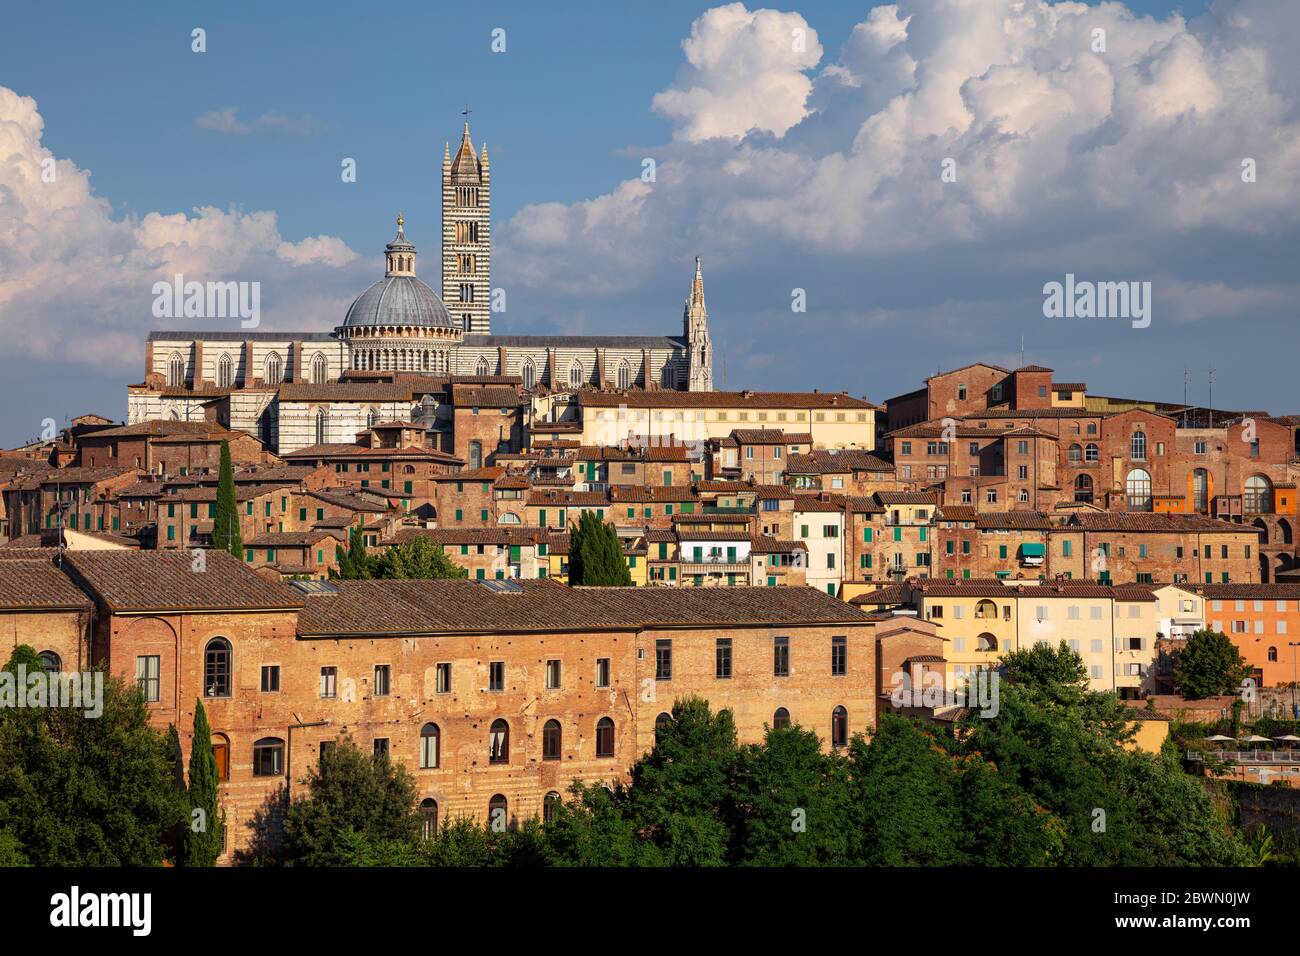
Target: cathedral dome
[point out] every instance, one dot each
(399, 298)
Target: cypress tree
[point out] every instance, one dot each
(354, 563)
(595, 555)
(203, 835)
(225, 524)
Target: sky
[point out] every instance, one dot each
(877, 191)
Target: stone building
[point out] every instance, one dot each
(293, 389)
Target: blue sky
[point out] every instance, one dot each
(567, 114)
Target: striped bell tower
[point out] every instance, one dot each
(466, 235)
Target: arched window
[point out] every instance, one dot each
(624, 374)
(430, 747)
(1083, 489)
(225, 372)
(509, 517)
(575, 374)
(216, 668)
(550, 804)
(986, 610)
(668, 376)
(529, 374)
(322, 426)
(319, 369)
(781, 719)
(429, 818)
(499, 742)
(552, 737)
(1091, 452)
(176, 370)
(221, 754)
(1258, 498)
(50, 662)
(1076, 454)
(604, 737)
(839, 727)
(498, 813)
(482, 367)
(986, 642)
(268, 757)
(1272, 653)
(1138, 489)
(372, 418)
(1138, 446)
(663, 721)
(475, 454)
(274, 369)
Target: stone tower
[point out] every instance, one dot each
(466, 236)
(695, 327)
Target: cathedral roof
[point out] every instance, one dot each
(399, 300)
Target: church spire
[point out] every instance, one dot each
(695, 322)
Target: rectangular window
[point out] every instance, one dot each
(839, 656)
(329, 682)
(497, 675)
(381, 747)
(270, 678)
(664, 659)
(781, 657)
(147, 677)
(383, 679)
(442, 678)
(722, 659)
(553, 681)
(602, 672)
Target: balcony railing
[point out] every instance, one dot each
(1247, 756)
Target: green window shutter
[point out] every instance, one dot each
(212, 510)
(668, 509)
(731, 555)
(648, 512)
(479, 575)
(663, 550)
(284, 504)
(270, 554)
(302, 514)
(115, 522)
(898, 534)
(672, 574)
(965, 547)
(561, 516)
(320, 514)
(866, 535)
(950, 546)
(268, 509)
(483, 515)
(407, 487)
(1002, 551)
(514, 552)
(171, 511)
(1067, 547)
(803, 531)
(868, 557)
(688, 508)
(631, 560)
(248, 555)
(464, 549)
(194, 510)
(923, 531)
(771, 581)
(171, 533)
(541, 518)
(459, 515)
(965, 573)
(543, 549)
(500, 575)
(320, 556)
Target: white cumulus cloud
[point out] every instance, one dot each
(75, 281)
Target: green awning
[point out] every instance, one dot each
(1033, 550)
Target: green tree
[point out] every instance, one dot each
(1209, 665)
(86, 791)
(591, 830)
(790, 803)
(203, 834)
(595, 554)
(680, 789)
(354, 563)
(225, 524)
(349, 790)
(417, 558)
